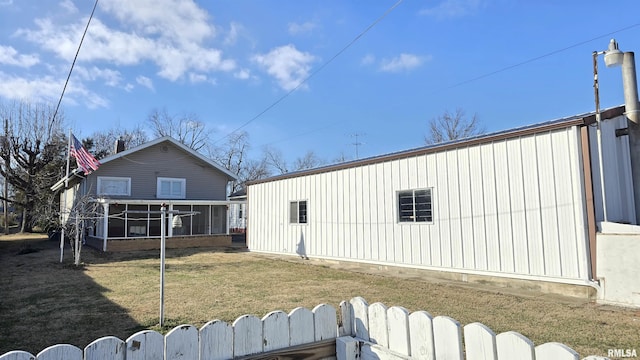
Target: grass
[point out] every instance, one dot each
(43, 302)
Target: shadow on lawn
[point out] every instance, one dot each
(44, 302)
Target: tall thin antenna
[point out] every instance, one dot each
(357, 143)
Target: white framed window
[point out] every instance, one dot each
(415, 206)
(171, 188)
(298, 212)
(114, 186)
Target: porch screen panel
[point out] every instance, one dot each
(154, 221)
(116, 220)
(200, 221)
(186, 220)
(219, 219)
(137, 223)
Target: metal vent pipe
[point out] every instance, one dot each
(630, 85)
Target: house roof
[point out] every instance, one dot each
(78, 173)
(576, 120)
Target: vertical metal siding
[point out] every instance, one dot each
(513, 206)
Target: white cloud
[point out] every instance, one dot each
(287, 65)
(128, 87)
(180, 20)
(69, 6)
(47, 89)
(110, 77)
(368, 59)
(173, 40)
(403, 62)
(452, 8)
(145, 81)
(232, 35)
(10, 56)
(297, 29)
(242, 74)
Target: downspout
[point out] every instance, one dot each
(589, 200)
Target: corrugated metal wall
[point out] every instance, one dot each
(513, 206)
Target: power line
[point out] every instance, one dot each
(313, 73)
(55, 113)
(540, 57)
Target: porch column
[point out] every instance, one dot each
(228, 215)
(105, 226)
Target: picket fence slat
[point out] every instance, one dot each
(17, 355)
(182, 343)
(367, 332)
(421, 335)
(145, 345)
(447, 337)
(398, 323)
(60, 351)
(325, 322)
(247, 336)
(347, 320)
(301, 326)
(480, 342)
(555, 351)
(275, 329)
(216, 341)
(361, 317)
(106, 348)
(378, 330)
(513, 345)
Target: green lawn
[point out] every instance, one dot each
(43, 302)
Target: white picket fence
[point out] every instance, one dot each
(365, 332)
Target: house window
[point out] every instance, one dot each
(172, 188)
(298, 212)
(114, 186)
(415, 206)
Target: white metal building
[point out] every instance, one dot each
(522, 203)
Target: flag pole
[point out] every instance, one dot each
(64, 193)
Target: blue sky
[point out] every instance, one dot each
(229, 61)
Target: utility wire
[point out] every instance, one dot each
(316, 71)
(539, 57)
(55, 113)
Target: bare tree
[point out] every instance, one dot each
(452, 126)
(103, 142)
(233, 156)
(275, 159)
(35, 150)
(309, 161)
(185, 128)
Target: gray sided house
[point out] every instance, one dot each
(130, 187)
(522, 204)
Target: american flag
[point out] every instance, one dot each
(86, 162)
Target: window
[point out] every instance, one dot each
(298, 212)
(415, 206)
(115, 186)
(172, 188)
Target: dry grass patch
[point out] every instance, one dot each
(44, 302)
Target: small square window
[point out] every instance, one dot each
(171, 188)
(415, 206)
